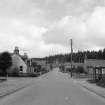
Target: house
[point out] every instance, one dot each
(30, 68)
(37, 64)
(74, 65)
(17, 62)
(94, 63)
(39, 61)
(95, 67)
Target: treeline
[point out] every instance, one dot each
(77, 56)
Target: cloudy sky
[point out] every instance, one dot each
(44, 27)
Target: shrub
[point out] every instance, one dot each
(79, 69)
(68, 69)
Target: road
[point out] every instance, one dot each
(53, 88)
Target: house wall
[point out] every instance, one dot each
(93, 63)
(30, 69)
(16, 63)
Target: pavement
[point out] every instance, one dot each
(100, 91)
(92, 87)
(13, 85)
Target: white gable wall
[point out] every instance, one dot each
(17, 62)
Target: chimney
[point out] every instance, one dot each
(16, 51)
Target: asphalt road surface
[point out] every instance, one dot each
(53, 88)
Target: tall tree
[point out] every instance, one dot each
(104, 53)
(5, 62)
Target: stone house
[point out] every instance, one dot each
(18, 63)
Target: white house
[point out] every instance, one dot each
(17, 62)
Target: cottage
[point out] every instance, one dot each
(18, 64)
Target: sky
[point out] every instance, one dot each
(44, 27)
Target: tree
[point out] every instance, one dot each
(99, 54)
(5, 62)
(104, 53)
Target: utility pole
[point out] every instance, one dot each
(71, 56)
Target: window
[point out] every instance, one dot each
(21, 68)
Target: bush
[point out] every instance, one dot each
(62, 68)
(5, 62)
(44, 70)
(80, 69)
(33, 75)
(68, 69)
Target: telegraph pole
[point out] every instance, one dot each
(71, 55)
